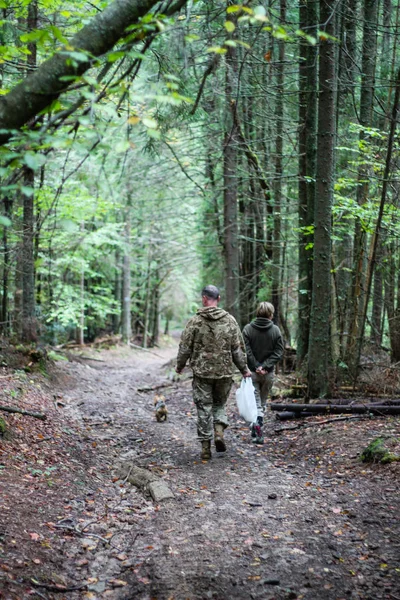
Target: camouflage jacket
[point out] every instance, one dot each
(213, 344)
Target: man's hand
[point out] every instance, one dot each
(179, 371)
(247, 373)
(261, 371)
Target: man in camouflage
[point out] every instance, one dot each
(213, 344)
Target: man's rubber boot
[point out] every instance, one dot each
(219, 441)
(205, 450)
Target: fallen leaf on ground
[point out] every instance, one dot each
(117, 582)
(121, 557)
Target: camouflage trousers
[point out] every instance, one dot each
(262, 389)
(210, 397)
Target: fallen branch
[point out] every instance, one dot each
(45, 439)
(325, 422)
(129, 473)
(337, 409)
(97, 423)
(58, 588)
(145, 350)
(90, 358)
(286, 415)
(83, 533)
(11, 409)
(300, 387)
(152, 388)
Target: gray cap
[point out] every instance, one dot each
(210, 291)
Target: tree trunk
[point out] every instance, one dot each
(147, 298)
(348, 51)
(279, 117)
(247, 267)
(360, 241)
(6, 270)
(348, 70)
(390, 297)
(29, 322)
(47, 82)
(376, 234)
(307, 167)
(377, 307)
(18, 291)
(231, 246)
(319, 364)
(155, 329)
(126, 283)
(116, 319)
(248, 208)
(80, 330)
(386, 15)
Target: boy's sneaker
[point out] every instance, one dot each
(258, 437)
(256, 427)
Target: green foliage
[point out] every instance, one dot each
(127, 140)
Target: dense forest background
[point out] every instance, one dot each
(149, 148)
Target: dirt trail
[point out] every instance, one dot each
(256, 522)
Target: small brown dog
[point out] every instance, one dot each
(161, 409)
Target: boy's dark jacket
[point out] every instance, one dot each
(264, 344)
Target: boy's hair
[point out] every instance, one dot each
(266, 310)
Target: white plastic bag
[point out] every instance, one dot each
(246, 400)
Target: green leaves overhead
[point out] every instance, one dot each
(5, 221)
(229, 26)
(217, 49)
(34, 160)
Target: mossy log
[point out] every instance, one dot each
(378, 451)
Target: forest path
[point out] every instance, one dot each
(255, 522)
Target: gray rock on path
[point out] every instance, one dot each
(146, 481)
(159, 491)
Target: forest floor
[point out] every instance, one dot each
(299, 517)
